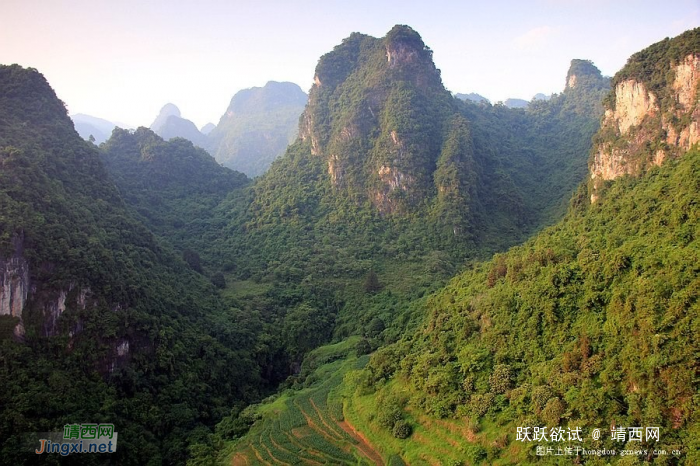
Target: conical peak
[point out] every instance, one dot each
(405, 34)
(404, 45)
(170, 110)
(581, 69)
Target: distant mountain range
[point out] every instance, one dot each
(473, 97)
(510, 103)
(170, 124)
(87, 126)
(256, 128)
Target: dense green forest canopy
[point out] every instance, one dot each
(173, 186)
(591, 323)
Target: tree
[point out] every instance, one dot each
(363, 347)
(193, 260)
(219, 280)
(372, 284)
(305, 328)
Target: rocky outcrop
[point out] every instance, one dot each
(335, 170)
(53, 303)
(686, 82)
(18, 294)
(399, 53)
(642, 127)
(361, 119)
(392, 180)
(14, 289)
(14, 284)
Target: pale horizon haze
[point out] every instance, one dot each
(122, 61)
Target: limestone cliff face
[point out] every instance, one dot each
(648, 120)
(633, 116)
(632, 104)
(685, 87)
(20, 297)
(30, 300)
(14, 285)
(399, 53)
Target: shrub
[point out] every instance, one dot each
(218, 280)
(372, 284)
(473, 426)
(363, 347)
(388, 414)
(540, 396)
(501, 378)
(552, 412)
(475, 453)
(402, 429)
(480, 404)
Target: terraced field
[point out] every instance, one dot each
(307, 427)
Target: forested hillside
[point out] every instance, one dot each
(145, 285)
(590, 324)
(173, 186)
(393, 178)
(99, 321)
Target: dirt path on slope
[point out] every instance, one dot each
(363, 444)
(239, 459)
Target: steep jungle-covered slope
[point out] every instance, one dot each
(542, 150)
(591, 324)
(173, 186)
(98, 322)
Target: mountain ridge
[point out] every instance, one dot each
(648, 103)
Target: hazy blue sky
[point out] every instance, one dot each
(124, 59)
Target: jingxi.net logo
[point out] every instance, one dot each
(79, 438)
